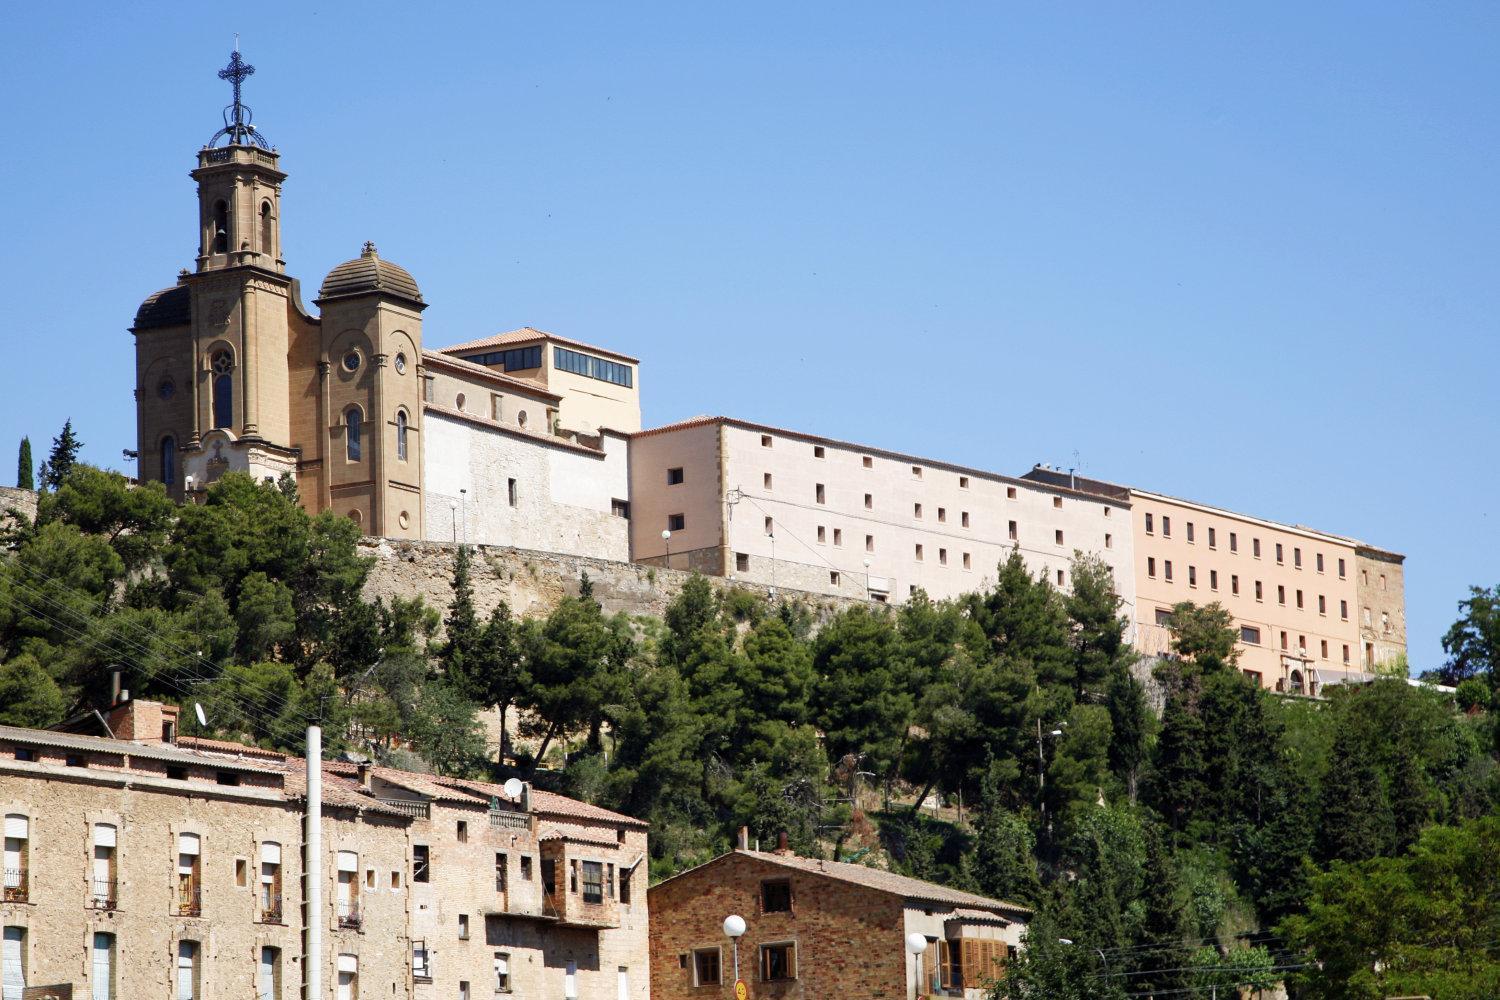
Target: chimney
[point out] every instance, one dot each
(781, 844)
(743, 843)
(364, 775)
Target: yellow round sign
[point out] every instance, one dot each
(741, 991)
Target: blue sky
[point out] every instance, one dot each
(1243, 256)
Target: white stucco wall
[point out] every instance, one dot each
(564, 493)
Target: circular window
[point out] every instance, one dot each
(351, 361)
(166, 389)
(460, 401)
(400, 364)
(521, 418)
(222, 363)
(405, 519)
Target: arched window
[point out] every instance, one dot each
(223, 382)
(401, 435)
(352, 421)
(266, 235)
(220, 233)
(169, 461)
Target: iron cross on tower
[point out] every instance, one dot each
(237, 116)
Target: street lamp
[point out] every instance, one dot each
(916, 944)
(867, 578)
(666, 539)
(734, 927)
(1041, 771)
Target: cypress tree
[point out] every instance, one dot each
(24, 478)
(1356, 822)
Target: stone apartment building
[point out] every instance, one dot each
(797, 510)
(818, 929)
(145, 865)
(1312, 608)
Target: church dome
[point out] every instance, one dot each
(368, 273)
(168, 307)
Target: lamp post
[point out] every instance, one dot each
(666, 539)
(734, 928)
(1041, 771)
(916, 944)
(867, 578)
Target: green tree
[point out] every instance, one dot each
(63, 457)
(1160, 962)
(1473, 641)
(28, 694)
(25, 466)
(1098, 628)
(1356, 822)
(1130, 728)
(1002, 864)
(865, 705)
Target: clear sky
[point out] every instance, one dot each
(1246, 256)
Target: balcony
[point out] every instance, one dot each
(102, 894)
(409, 807)
(349, 917)
(16, 884)
(189, 903)
(508, 819)
(270, 911)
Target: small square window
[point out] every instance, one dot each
(765, 440)
(963, 482)
(674, 477)
(706, 967)
(776, 896)
(1057, 502)
(1010, 493)
(818, 451)
(676, 522)
(867, 462)
(742, 562)
(916, 470)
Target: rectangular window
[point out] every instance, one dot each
(822, 535)
(1281, 595)
(625, 876)
(963, 519)
(1149, 528)
(102, 875)
(1057, 502)
(187, 970)
(1323, 648)
(269, 889)
(1213, 579)
(869, 543)
(916, 511)
(463, 989)
(742, 562)
(1382, 581)
(1058, 536)
(1167, 570)
(620, 508)
(1346, 652)
(1279, 560)
(1344, 610)
(1212, 540)
(1297, 556)
(1192, 576)
(818, 451)
(502, 972)
(1299, 600)
(776, 896)
(1341, 569)
(463, 927)
(1322, 604)
(916, 470)
(591, 367)
(676, 522)
(1283, 639)
(463, 831)
(819, 493)
(1059, 578)
(1010, 492)
(1250, 635)
(919, 552)
(421, 962)
(500, 871)
(1166, 526)
(525, 868)
(510, 492)
(189, 896)
(346, 900)
(1151, 567)
(963, 482)
(867, 461)
(496, 406)
(674, 476)
(1234, 542)
(777, 962)
(1258, 594)
(1190, 531)
(942, 557)
(869, 501)
(1163, 618)
(765, 440)
(1318, 562)
(1255, 547)
(770, 527)
(419, 863)
(942, 515)
(838, 537)
(833, 577)
(1012, 531)
(593, 882)
(1234, 584)
(1109, 541)
(706, 967)
(102, 968)
(517, 359)
(966, 561)
(765, 480)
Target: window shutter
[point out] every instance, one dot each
(104, 835)
(348, 861)
(17, 826)
(270, 853)
(188, 843)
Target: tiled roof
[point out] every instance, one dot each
(101, 744)
(873, 878)
(427, 786)
(576, 833)
(229, 746)
(527, 334)
(464, 367)
(552, 804)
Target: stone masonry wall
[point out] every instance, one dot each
(14, 499)
(533, 582)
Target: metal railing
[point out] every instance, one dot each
(16, 885)
(102, 894)
(270, 911)
(349, 917)
(189, 903)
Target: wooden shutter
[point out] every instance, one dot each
(930, 980)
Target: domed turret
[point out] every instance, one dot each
(368, 273)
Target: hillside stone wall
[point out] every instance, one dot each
(533, 582)
(14, 499)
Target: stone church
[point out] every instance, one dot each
(515, 439)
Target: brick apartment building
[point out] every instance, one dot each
(823, 929)
(149, 866)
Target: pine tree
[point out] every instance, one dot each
(1179, 782)
(1002, 865)
(1130, 721)
(24, 473)
(1160, 967)
(64, 456)
(1356, 823)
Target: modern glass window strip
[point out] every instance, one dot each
(590, 366)
(514, 360)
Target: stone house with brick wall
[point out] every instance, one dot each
(153, 866)
(817, 929)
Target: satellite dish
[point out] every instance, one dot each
(514, 788)
(202, 719)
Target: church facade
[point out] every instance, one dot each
(517, 439)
